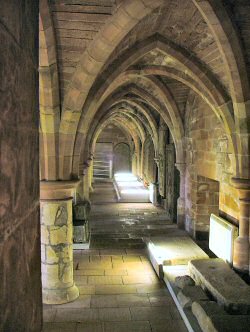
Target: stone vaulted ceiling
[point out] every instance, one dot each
(137, 61)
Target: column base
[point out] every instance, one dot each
(241, 254)
(181, 221)
(60, 296)
(181, 213)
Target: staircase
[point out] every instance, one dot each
(102, 163)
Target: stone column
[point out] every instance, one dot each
(56, 241)
(241, 244)
(142, 161)
(181, 200)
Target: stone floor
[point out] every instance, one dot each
(124, 225)
(119, 290)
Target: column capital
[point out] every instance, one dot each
(56, 190)
(243, 185)
(181, 167)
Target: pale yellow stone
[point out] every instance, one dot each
(44, 235)
(50, 211)
(59, 235)
(48, 123)
(43, 253)
(51, 256)
(67, 276)
(67, 254)
(50, 275)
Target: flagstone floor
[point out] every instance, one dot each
(119, 290)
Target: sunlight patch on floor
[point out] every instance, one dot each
(130, 188)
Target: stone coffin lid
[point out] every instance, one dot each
(177, 250)
(223, 283)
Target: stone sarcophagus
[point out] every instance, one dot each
(80, 222)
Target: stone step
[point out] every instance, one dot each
(108, 243)
(223, 283)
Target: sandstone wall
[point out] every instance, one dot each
(210, 167)
(20, 277)
(112, 134)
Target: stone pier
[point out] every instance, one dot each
(56, 242)
(241, 245)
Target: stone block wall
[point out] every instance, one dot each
(122, 147)
(205, 200)
(20, 276)
(210, 167)
(112, 134)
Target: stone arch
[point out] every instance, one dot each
(49, 99)
(230, 48)
(108, 103)
(129, 13)
(149, 99)
(127, 110)
(192, 68)
(124, 125)
(148, 116)
(77, 97)
(167, 106)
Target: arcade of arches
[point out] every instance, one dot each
(166, 82)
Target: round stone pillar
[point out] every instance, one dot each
(181, 200)
(57, 241)
(241, 244)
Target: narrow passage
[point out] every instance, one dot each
(119, 290)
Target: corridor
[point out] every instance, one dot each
(119, 290)
(156, 89)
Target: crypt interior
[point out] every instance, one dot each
(125, 165)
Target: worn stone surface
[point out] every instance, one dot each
(190, 294)
(177, 250)
(182, 281)
(20, 291)
(143, 305)
(211, 317)
(223, 283)
(125, 223)
(119, 290)
(56, 241)
(204, 311)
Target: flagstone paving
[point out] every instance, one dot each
(119, 290)
(117, 293)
